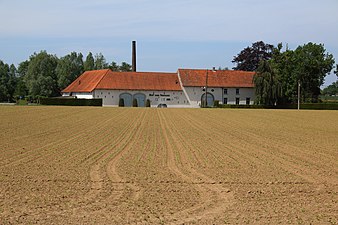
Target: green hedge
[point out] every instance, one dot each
(242, 106)
(315, 106)
(71, 101)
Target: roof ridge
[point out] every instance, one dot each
(107, 71)
(145, 72)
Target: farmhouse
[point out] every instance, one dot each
(185, 88)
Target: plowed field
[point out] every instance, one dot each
(84, 165)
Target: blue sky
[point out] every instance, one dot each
(170, 34)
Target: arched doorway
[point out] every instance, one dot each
(210, 99)
(141, 99)
(127, 99)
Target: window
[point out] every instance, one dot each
(247, 100)
(225, 101)
(237, 91)
(108, 93)
(225, 91)
(237, 101)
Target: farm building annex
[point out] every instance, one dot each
(185, 88)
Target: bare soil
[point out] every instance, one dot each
(87, 165)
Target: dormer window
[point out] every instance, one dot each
(79, 82)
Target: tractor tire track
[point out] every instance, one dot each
(105, 168)
(214, 197)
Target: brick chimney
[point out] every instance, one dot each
(133, 65)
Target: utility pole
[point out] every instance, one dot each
(206, 92)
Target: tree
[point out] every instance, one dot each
(284, 65)
(114, 66)
(3, 81)
(23, 68)
(7, 81)
(69, 68)
(12, 81)
(89, 64)
(41, 78)
(267, 86)
(4, 78)
(100, 62)
(312, 64)
(249, 58)
(308, 64)
(125, 67)
(20, 89)
(225, 68)
(332, 89)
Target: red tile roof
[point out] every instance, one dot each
(87, 82)
(107, 79)
(140, 81)
(218, 78)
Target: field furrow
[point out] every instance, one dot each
(88, 165)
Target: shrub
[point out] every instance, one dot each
(21, 102)
(216, 103)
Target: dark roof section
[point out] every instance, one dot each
(218, 78)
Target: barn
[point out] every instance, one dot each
(185, 88)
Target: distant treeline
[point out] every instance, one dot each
(46, 75)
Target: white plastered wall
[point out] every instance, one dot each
(195, 95)
(244, 93)
(170, 98)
